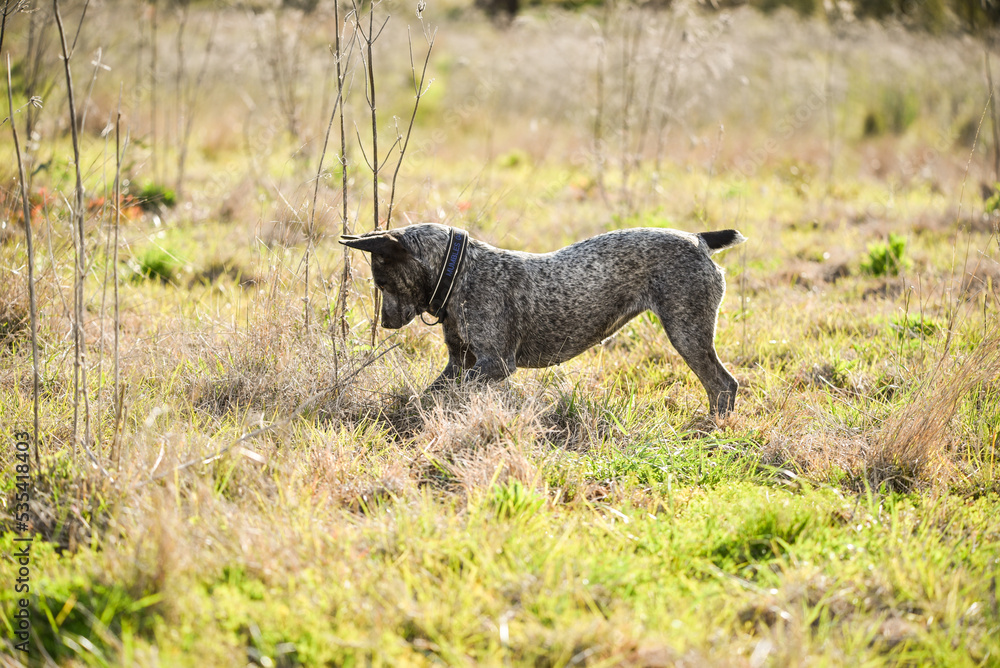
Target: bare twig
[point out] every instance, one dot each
(419, 90)
(98, 66)
(281, 66)
(952, 311)
(153, 79)
(345, 276)
(119, 154)
(711, 171)
(26, 209)
(179, 72)
(52, 257)
(10, 7)
(187, 96)
(368, 62)
(37, 81)
(319, 174)
(599, 157)
(646, 112)
(993, 113)
(189, 105)
(630, 46)
(79, 366)
(79, 25)
(831, 123)
(104, 295)
(369, 40)
(361, 146)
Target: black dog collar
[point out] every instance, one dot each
(455, 253)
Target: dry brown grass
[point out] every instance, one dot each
(919, 446)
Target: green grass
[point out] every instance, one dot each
(886, 258)
(156, 263)
(155, 197)
(421, 582)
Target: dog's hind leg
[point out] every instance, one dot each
(694, 339)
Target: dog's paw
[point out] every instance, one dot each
(441, 385)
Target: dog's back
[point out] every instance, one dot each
(566, 301)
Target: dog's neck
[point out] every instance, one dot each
(451, 264)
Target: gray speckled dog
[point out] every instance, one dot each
(509, 309)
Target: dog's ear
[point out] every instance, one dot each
(383, 244)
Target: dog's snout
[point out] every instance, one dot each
(395, 312)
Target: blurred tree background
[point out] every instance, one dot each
(934, 16)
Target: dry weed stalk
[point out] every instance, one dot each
(283, 67)
(953, 308)
(367, 61)
(994, 122)
(345, 276)
(630, 46)
(367, 41)
(118, 391)
(26, 211)
(599, 157)
(99, 65)
(418, 90)
(711, 171)
(640, 105)
(646, 111)
(153, 80)
(37, 82)
(104, 291)
(79, 241)
(10, 7)
(337, 106)
(187, 99)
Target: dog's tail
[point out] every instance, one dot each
(721, 240)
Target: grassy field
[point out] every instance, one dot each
(251, 479)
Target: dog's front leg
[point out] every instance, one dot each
(459, 359)
(490, 368)
(449, 374)
(492, 344)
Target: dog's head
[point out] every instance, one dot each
(399, 271)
